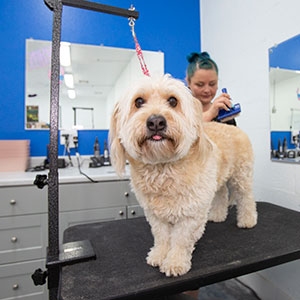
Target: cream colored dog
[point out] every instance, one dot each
(180, 168)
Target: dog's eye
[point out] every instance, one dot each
(172, 101)
(139, 102)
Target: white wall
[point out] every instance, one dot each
(237, 34)
(132, 72)
(84, 118)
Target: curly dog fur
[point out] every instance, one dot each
(181, 168)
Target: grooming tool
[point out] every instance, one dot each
(96, 160)
(67, 147)
(226, 115)
(61, 163)
(291, 154)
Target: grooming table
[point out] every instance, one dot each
(120, 270)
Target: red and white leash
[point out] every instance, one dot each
(138, 47)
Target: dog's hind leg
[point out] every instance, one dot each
(219, 207)
(242, 195)
(161, 234)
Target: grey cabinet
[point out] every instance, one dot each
(134, 211)
(22, 200)
(83, 196)
(23, 238)
(24, 226)
(16, 283)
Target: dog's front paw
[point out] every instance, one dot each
(176, 264)
(156, 255)
(247, 221)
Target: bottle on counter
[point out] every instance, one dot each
(280, 154)
(96, 148)
(106, 160)
(284, 147)
(273, 151)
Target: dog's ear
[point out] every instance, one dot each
(117, 151)
(205, 146)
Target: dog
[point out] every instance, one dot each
(181, 167)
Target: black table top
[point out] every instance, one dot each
(120, 270)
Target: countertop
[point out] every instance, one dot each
(66, 175)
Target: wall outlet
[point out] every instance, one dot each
(72, 133)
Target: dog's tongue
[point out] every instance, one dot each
(157, 137)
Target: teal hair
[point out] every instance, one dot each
(199, 61)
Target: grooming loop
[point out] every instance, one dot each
(137, 45)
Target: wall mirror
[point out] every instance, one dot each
(284, 79)
(91, 80)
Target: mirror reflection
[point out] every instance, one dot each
(92, 78)
(284, 79)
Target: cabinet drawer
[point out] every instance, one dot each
(68, 219)
(16, 282)
(134, 211)
(83, 196)
(23, 238)
(129, 194)
(22, 200)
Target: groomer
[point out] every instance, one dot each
(202, 80)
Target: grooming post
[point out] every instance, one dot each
(53, 234)
(53, 151)
(73, 252)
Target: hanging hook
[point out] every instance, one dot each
(131, 19)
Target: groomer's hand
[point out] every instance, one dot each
(221, 102)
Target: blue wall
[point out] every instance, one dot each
(280, 135)
(170, 26)
(286, 55)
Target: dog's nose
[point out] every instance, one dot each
(156, 123)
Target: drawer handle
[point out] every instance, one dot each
(121, 213)
(14, 239)
(126, 194)
(12, 202)
(133, 212)
(15, 286)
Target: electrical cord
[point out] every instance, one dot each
(42, 167)
(82, 173)
(67, 148)
(79, 164)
